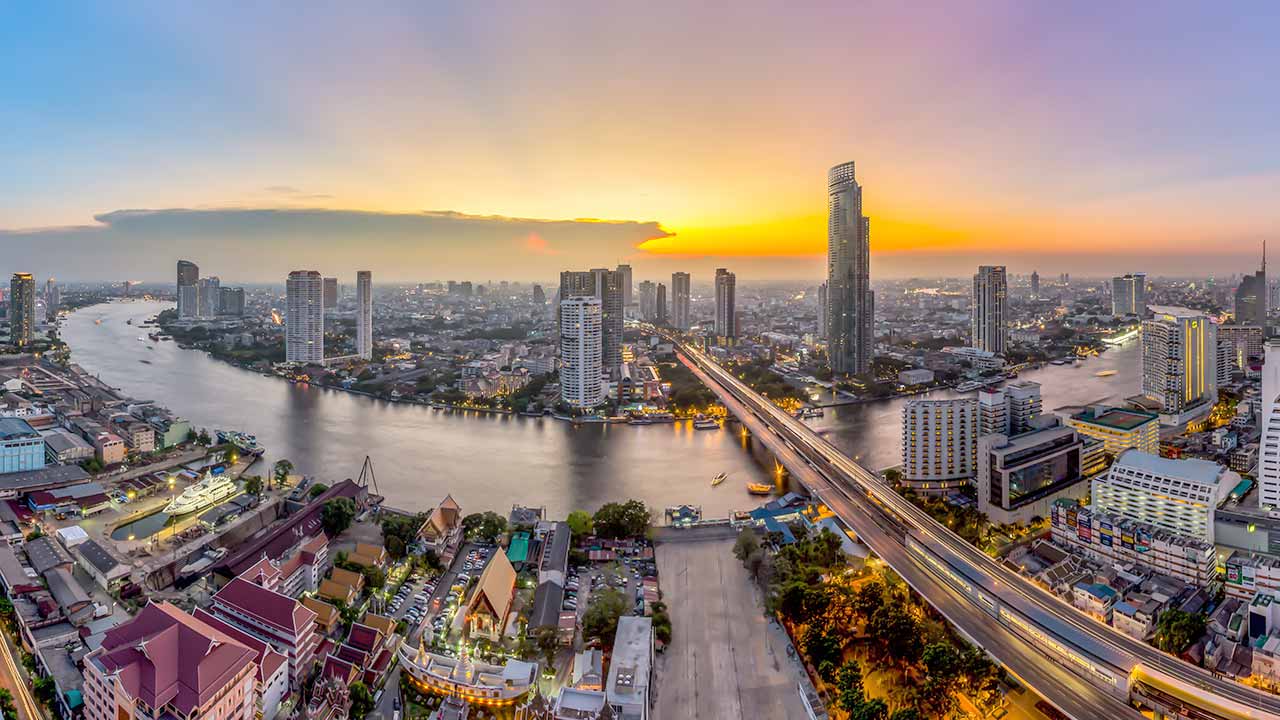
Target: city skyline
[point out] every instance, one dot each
(953, 143)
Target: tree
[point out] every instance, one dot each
(893, 476)
(601, 618)
(45, 690)
(374, 577)
(906, 714)
(7, 615)
(746, 545)
(280, 471)
(253, 485)
(361, 700)
(317, 490)
(203, 439)
(897, 631)
(941, 661)
(547, 641)
(870, 710)
(6, 704)
(399, 532)
(622, 520)
(485, 526)
(849, 683)
(822, 645)
(580, 523)
(1175, 630)
(336, 515)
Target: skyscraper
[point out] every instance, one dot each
(648, 300)
(209, 296)
(539, 295)
(364, 314)
(1179, 359)
(330, 294)
(304, 318)
(52, 299)
(660, 309)
(823, 307)
(231, 301)
(1269, 446)
(850, 302)
(726, 307)
(1251, 296)
(188, 289)
(625, 271)
(1035, 284)
(581, 359)
(22, 309)
(990, 309)
(606, 286)
(1129, 294)
(680, 300)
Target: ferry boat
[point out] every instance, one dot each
(211, 490)
(718, 479)
(662, 417)
(969, 386)
(702, 422)
(759, 489)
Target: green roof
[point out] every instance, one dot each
(518, 550)
(1117, 418)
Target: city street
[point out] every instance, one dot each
(726, 660)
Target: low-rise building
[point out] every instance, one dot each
(1095, 599)
(1180, 496)
(21, 447)
(490, 602)
(630, 668)
(1117, 541)
(108, 448)
(1119, 429)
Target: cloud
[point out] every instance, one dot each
(264, 244)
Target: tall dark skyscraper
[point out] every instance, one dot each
(330, 293)
(188, 289)
(1129, 294)
(726, 304)
(1035, 284)
(539, 295)
(850, 302)
(1251, 296)
(680, 300)
(22, 309)
(990, 309)
(660, 312)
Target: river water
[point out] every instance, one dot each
(490, 461)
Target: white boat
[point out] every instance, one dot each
(705, 423)
(969, 386)
(209, 491)
(718, 479)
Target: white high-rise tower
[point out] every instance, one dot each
(581, 356)
(364, 314)
(1269, 446)
(304, 317)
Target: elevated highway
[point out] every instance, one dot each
(1082, 666)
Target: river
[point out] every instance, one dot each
(489, 461)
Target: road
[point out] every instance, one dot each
(889, 524)
(12, 680)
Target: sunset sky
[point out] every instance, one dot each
(430, 140)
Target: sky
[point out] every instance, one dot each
(491, 140)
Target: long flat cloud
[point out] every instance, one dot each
(263, 245)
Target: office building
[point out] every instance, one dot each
(1009, 410)
(304, 317)
(726, 304)
(364, 314)
(1019, 477)
(1179, 361)
(648, 300)
(1129, 294)
(581, 353)
(210, 293)
(165, 663)
(989, 325)
(188, 289)
(1251, 296)
(680, 300)
(21, 447)
(1269, 444)
(330, 294)
(939, 444)
(539, 295)
(1246, 343)
(1035, 285)
(1119, 429)
(1180, 496)
(52, 299)
(631, 668)
(1118, 540)
(624, 278)
(231, 302)
(850, 302)
(22, 310)
(606, 286)
(660, 305)
(1224, 363)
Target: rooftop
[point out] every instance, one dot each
(1117, 418)
(632, 653)
(12, 428)
(1205, 472)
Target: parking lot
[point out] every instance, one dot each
(434, 613)
(726, 660)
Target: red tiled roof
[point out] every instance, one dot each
(364, 637)
(338, 668)
(268, 658)
(355, 656)
(305, 523)
(269, 606)
(262, 573)
(165, 656)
